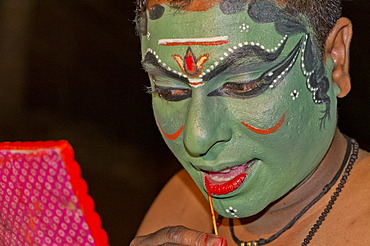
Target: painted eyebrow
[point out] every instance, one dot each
(245, 52)
(152, 66)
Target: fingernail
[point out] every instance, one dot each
(217, 241)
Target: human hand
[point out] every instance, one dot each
(179, 235)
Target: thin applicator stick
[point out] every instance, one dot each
(208, 187)
(212, 209)
(213, 213)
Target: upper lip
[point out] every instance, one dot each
(224, 169)
(217, 169)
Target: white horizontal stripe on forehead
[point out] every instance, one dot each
(195, 40)
(195, 80)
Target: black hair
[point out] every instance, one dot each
(322, 14)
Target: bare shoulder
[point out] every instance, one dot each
(179, 203)
(359, 180)
(360, 175)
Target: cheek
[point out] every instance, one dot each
(171, 115)
(262, 115)
(290, 103)
(170, 118)
(283, 117)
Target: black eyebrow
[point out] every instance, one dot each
(247, 51)
(152, 66)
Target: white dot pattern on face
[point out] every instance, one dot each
(232, 211)
(244, 27)
(273, 84)
(37, 203)
(294, 94)
(308, 73)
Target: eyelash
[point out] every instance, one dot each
(240, 87)
(169, 93)
(241, 90)
(150, 90)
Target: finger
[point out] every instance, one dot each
(137, 241)
(171, 244)
(179, 235)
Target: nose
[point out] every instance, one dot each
(204, 127)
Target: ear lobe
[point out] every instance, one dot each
(337, 46)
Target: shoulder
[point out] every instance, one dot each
(179, 203)
(357, 188)
(359, 180)
(363, 159)
(356, 191)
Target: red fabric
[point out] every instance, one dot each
(38, 151)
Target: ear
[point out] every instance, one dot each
(337, 46)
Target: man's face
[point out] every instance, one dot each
(242, 98)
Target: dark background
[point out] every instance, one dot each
(71, 70)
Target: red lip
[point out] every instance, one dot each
(223, 189)
(227, 180)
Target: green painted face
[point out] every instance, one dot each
(242, 99)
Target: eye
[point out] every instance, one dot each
(172, 94)
(241, 90)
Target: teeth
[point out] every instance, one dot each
(250, 164)
(228, 174)
(222, 179)
(226, 170)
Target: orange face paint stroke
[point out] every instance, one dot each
(173, 136)
(268, 130)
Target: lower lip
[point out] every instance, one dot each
(227, 187)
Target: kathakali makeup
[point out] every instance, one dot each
(233, 89)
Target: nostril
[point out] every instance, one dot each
(191, 153)
(203, 148)
(203, 131)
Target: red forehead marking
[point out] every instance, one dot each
(206, 41)
(190, 65)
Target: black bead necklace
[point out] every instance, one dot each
(327, 209)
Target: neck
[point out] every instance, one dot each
(278, 214)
